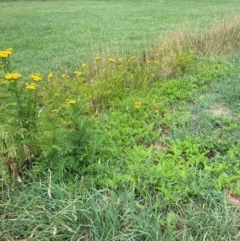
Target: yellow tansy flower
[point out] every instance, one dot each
(13, 76)
(84, 65)
(6, 53)
(98, 58)
(31, 86)
(111, 60)
(3, 54)
(50, 75)
(131, 58)
(78, 73)
(71, 102)
(137, 105)
(120, 60)
(35, 77)
(64, 75)
(9, 51)
(3, 82)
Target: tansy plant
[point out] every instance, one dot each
(39, 124)
(4, 59)
(19, 120)
(19, 116)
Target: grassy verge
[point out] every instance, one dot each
(140, 147)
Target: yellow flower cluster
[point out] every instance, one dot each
(6, 53)
(13, 76)
(31, 86)
(36, 77)
(71, 102)
(137, 105)
(131, 58)
(50, 75)
(111, 60)
(3, 82)
(77, 73)
(98, 58)
(120, 60)
(84, 65)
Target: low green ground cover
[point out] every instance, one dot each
(138, 146)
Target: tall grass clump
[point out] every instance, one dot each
(178, 48)
(221, 39)
(90, 214)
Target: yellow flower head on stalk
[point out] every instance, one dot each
(84, 65)
(36, 77)
(71, 102)
(50, 75)
(131, 58)
(13, 76)
(64, 75)
(77, 73)
(137, 105)
(9, 51)
(6, 53)
(31, 86)
(111, 60)
(97, 57)
(3, 54)
(120, 60)
(3, 82)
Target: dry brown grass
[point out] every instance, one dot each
(220, 111)
(220, 40)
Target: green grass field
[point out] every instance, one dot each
(59, 35)
(119, 120)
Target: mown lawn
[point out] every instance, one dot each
(59, 35)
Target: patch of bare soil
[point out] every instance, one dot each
(233, 199)
(220, 111)
(159, 146)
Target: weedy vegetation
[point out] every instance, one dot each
(119, 136)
